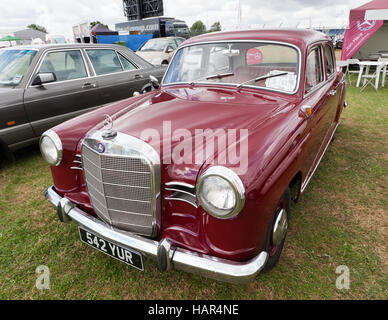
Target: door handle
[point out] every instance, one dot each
(138, 76)
(333, 93)
(89, 86)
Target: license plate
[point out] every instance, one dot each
(129, 257)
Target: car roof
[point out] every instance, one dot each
(64, 46)
(298, 37)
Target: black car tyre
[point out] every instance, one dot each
(277, 231)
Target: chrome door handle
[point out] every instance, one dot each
(333, 93)
(138, 76)
(89, 86)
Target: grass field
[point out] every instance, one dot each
(341, 220)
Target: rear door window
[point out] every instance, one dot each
(127, 65)
(66, 65)
(104, 61)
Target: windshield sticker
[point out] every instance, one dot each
(285, 83)
(254, 56)
(17, 78)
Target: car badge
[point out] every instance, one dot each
(109, 134)
(100, 148)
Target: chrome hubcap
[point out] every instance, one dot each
(280, 228)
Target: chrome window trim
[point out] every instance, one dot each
(234, 180)
(327, 79)
(40, 62)
(325, 45)
(300, 60)
(323, 74)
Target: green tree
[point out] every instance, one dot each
(198, 28)
(37, 27)
(216, 27)
(94, 23)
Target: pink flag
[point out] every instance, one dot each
(357, 34)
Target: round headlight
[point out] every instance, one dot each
(221, 192)
(51, 148)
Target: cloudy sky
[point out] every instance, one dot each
(58, 16)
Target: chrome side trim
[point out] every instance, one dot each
(182, 184)
(182, 192)
(190, 261)
(184, 198)
(309, 177)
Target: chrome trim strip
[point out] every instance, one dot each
(189, 261)
(181, 184)
(236, 84)
(76, 168)
(15, 128)
(190, 199)
(181, 191)
(309, 177)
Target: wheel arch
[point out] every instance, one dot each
(4, 150)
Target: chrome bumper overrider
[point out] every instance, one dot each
(166, 255)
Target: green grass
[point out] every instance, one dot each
(340, 220)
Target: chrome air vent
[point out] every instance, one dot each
(123, 180)
(182, 192)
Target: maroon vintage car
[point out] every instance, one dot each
(198, 172)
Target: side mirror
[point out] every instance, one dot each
(42, 78)
(155, 82)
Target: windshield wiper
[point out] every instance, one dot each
(220, 76)
(214, 76)
(262, 78)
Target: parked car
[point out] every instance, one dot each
(42, 86)
(159, 51)
(159, 175)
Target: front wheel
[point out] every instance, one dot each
(277, 231)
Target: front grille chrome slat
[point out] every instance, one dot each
(123, 181)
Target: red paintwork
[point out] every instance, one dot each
(282, 145)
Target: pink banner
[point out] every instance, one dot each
(357, 34)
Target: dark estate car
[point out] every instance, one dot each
(42, 86)
(198, 173)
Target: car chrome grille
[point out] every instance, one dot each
(123, 184)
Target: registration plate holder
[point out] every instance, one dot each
(114, 250)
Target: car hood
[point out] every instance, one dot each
(151, 55)
(6, 90)
(189, 110)
(10, 96)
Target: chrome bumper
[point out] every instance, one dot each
(163, 252)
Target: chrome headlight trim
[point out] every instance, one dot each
(58, 146)
(235, 182)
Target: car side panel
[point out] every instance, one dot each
(14, 124)
(53, 103)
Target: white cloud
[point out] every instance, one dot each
(59, 16)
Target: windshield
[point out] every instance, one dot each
(264, 65)
(155, 45)
(14, 65)
(181, 30)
